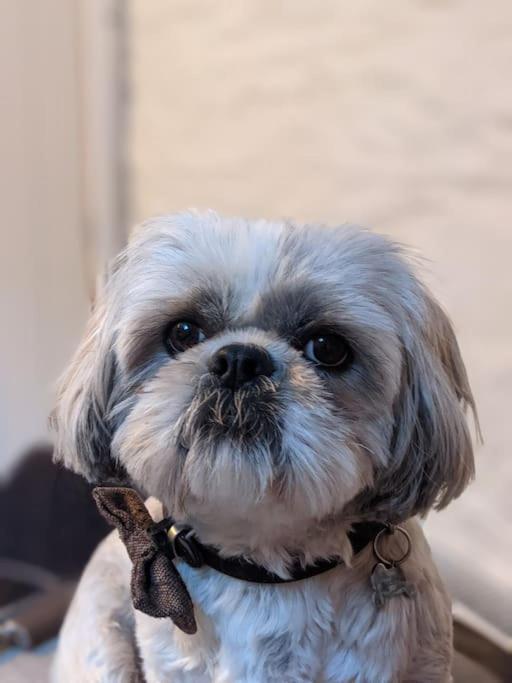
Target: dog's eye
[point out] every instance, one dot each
(182, 335)
(329, 350)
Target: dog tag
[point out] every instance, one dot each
(388, 582)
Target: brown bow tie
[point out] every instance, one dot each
(157, 588)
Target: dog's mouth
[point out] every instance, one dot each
(250, 414)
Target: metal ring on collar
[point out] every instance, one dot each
(390, 530)
(183, 544)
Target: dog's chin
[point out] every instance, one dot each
(247, 505)
(231, 443)
(235, 471)
(220, 477)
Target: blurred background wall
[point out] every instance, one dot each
(60, 194)
(42, 282)
(396, 116)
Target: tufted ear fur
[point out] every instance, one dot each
(86, 395)
(431, 459)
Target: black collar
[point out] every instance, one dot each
(178, 541)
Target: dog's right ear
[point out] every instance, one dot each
(86, 395)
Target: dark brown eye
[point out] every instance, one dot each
(182, 336)
(329, 350)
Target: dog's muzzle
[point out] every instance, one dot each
(224, 406)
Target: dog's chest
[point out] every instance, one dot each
(249, 633)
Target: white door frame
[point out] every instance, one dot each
(102, 63)
(62, 193)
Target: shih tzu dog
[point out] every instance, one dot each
(290, 398)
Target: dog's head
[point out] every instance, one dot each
(234, 365)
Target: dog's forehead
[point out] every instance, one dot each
(259, 268)
(240, 262)
(225, 263)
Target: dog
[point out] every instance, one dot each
(273, 387)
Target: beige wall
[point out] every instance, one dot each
(43, 292)
(60, 182)
(394, 115)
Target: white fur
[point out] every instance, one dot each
(299, 456)
(325, 629)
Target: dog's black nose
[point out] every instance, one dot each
(236, 364)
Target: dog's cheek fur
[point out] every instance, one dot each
(323, 465)
(147, 443)
(431, 454)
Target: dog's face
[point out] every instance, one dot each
(233, 365)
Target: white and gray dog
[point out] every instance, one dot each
(270, 385)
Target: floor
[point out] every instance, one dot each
(31, 667)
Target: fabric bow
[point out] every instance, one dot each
(156, 586)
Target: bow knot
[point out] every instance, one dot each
(156, 586)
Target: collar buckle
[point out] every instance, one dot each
(184, 545)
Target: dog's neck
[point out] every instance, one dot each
(271, 538)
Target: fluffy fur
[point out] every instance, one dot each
(278, 469)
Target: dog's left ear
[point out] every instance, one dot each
(431, 458)
(80, 418)
(88, 392)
